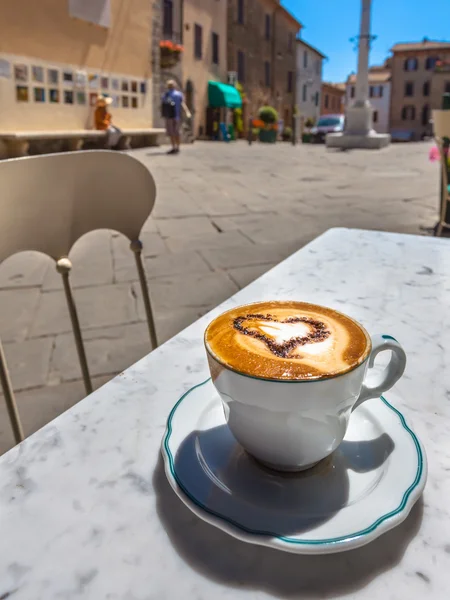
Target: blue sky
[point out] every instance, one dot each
(328, 25)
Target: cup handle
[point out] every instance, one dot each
(392, 372)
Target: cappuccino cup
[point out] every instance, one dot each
(290, 374)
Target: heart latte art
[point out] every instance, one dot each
(287, 340)
(282, 337)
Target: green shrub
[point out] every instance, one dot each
(309, 123)
(287, 134)
(268, 115)
(238, 121)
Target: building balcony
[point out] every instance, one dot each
(442, 66)
(170, 49)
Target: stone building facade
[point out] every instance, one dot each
(309, 80)
(55, 57)
(416, 88)
(262, 53)
(167, 25)
(332, 99)
(204, 56)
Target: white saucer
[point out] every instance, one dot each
(367, 487)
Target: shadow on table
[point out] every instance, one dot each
(226, 560)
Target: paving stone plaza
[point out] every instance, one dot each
(224, 214)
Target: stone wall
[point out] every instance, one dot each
(249, 37)
(418, 100)
(156, 69)
(53, 66)
(284, 60)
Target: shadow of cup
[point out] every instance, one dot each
(218, 473)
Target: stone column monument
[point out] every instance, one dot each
(358, 131)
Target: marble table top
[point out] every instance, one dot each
(86, 511)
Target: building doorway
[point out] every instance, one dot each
(190, 96)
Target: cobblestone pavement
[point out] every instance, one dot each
(224, 215)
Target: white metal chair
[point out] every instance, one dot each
(445, 190)
(48, 202)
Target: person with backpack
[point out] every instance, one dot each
(171, 109)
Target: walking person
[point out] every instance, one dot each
(172, 106)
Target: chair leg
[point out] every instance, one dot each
(63, 266)
(136, 247)
(9, 398)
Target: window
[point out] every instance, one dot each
(267, 29)
(376, 91)
(290, 43)
(267, 73)
(425, 115)
(304, 92)
(318, 66)
(426, 88)
(198, 35)
(94, 11)
(317, 99)
(241, 66)
(305, 59)
(240, 11)
(168, 17)
(215, 48)
(325, 101)
(375, 116)
(409, 89)
(290, 79)
(352, 91)
(430, 63)
(408, 113)
(411, 64)
(447, 87)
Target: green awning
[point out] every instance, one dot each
(221, 94)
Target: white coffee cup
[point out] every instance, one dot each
(292, 425)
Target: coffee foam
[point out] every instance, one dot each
(287, 340)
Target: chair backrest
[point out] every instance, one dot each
(47, 202)
(444, 165)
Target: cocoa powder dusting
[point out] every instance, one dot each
(319, 333)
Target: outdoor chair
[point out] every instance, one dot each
(48, 202)
(445, 190)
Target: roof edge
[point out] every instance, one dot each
(299, 39)
(422, 45)
(283, 9)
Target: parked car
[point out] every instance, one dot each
(327, 124)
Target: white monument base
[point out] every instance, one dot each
(347, 141)
(358, 132)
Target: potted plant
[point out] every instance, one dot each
(238, 121)
(268, 117)
(286, 136)
(306, 136)
(170, 53)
